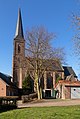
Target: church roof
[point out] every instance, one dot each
(50, 65)
(69, 83)
(53, 65)
(68, 71)
(7, 79)
(19, 27)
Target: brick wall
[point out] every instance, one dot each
(11, 91)
(67, 92)
(2, 88)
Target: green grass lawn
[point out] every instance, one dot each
(71, 112)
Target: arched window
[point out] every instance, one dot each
(49, 80)
(19, 48)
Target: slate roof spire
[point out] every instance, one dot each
(19, 27)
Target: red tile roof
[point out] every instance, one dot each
(69, 83)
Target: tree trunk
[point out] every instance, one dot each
(40, 93)
(37, 85)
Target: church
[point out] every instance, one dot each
(20, 64)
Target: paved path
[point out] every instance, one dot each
(51, 102)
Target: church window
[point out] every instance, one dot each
(19, 48)
(49, 80)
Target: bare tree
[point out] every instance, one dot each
(40, 53)
(76, 38)
(75, 21)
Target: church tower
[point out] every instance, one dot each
(18, 52)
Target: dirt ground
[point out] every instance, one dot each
(48, 102)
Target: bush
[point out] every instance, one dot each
(58, 78)
(27, 85)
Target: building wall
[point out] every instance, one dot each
(75, 92)
(21, 65)
(67, 92)
(11, 91)
(18, 61)
(64, 92)
(2, 88)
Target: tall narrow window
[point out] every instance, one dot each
(19, 48)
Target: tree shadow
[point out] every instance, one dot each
(4, 108)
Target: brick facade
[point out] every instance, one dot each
(7, 87)
(21, 63)
(64, 88)
(2, 88)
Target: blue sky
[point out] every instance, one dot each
(54, 15)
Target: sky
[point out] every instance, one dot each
(54, 15)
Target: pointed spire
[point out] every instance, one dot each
(19, 28)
